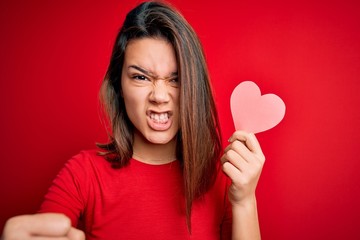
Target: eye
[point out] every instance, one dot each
(174, 81)
(140, 77)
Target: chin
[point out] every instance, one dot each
(160, 141)
(161, 138)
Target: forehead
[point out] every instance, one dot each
(154, 54)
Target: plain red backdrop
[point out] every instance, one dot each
(54, 55)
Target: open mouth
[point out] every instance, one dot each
(159, 121)
(159, 117)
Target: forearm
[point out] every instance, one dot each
(245, 224)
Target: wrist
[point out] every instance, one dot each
(247, 203)
(245, 220)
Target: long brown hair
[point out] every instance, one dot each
(198, 139)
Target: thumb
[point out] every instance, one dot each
(42, 224)
(76, 234)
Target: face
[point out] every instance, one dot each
(150, 89)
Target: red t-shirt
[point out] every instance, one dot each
(139, 201)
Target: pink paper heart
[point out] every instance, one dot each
(252, 112)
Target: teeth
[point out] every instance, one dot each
(159, 118)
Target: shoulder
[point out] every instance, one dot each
(85, 162)
(85, 157)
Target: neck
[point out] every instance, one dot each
(155, 154)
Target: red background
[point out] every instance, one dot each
(54, 55)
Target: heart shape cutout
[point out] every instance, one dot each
(253, 112)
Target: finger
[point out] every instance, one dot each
(229, 154)
(76, 234)
(238, 135)
(235, 159)
(47, 224)
(240, 149)
(73, 234)
(49, 238)
(250, 141)
(231, 171)
(253, 144)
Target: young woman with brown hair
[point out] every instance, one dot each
(159, 175)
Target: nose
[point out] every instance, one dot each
(160, 92)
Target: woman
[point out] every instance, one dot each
(159, 176)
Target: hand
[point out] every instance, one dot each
(39, 226)
(242, 162)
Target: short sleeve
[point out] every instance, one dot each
(67, 194)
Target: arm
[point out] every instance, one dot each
(64, 197)
(242, 162)
(50, 225)
(68, 193)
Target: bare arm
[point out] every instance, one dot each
(38, 226)
(242, 162)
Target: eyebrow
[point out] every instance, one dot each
(148, 73)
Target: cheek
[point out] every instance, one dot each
(176, 100)
(134, 97)
(133, 104)
(175, 95)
